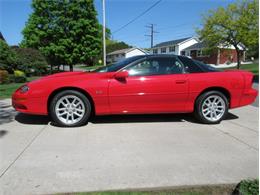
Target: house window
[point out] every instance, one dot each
(155, 51)
(183, 53)
(163, 50)
(172, 49)
(200, 53)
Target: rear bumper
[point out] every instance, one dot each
(248, 97)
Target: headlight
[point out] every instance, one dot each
(24, 89)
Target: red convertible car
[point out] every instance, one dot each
(138, 85)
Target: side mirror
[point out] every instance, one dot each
(121, 75)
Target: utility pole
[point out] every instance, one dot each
(151, 26)
(104, 32)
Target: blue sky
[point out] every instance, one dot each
(173, 19)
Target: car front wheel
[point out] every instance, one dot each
(70, 108)
(211, 107)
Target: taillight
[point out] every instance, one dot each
(249, 79)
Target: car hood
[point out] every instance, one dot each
(64, 74)
(59, 75)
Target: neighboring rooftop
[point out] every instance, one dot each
(198, 45)
(2, 37)
(202, 44)
(123, 51)
(173, 42)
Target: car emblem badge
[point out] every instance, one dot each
(99, 92)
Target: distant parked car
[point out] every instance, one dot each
(138, 85)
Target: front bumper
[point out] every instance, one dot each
(31, 105)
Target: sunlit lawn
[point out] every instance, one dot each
(254, 68)
(6, 90)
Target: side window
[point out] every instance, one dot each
(144, 68)
(189, 65)
(156, 66)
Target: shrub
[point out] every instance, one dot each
(31, 61)
(20, 79)
(19, 76)
(11, 78)
(19, 73)
(4, 76)
(7, 57)
(249, 187)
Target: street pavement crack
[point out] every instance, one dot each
(237, 139)
(27, 146)
(250, 129)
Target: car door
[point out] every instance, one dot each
(154, 85)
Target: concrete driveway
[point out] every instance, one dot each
(127, 152)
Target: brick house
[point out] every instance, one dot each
(221, 56)
(191, 46)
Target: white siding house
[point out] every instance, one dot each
(176, 47)
(119, 55)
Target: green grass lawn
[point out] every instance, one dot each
(245, 186)
(254, 68)
(6, 90)
(137, 193)
(195, 190)
(88, 68)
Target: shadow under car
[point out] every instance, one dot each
(140, 118)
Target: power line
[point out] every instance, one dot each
(151, 26)
(104, 33)
(175, 26)
(131, 21)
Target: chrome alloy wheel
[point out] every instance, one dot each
(70, 109)
(213, 108)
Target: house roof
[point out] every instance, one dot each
(2, 37)
(172, 42)
(198, 45)
(203, 44)
(124, 51)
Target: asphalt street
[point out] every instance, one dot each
(125, 152)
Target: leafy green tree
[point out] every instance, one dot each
(66, 32)
(7, 57)
(232, 26)
(29, 60)
(114, 45)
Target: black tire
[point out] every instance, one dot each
(199, 102)
(79, 95)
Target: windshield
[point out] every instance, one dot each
(118, 65)
(206, 67)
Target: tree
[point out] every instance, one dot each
(7, 57)
(114, 45)
(29, 60)
(66, 32)
(232, 26)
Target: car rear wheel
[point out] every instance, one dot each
(211, 107)
(70, 108)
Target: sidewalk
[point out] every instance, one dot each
(130, 152)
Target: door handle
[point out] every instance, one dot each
(180, 81)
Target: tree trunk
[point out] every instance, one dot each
(71, 68)
(238, 58)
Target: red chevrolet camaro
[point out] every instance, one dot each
(138, 85)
